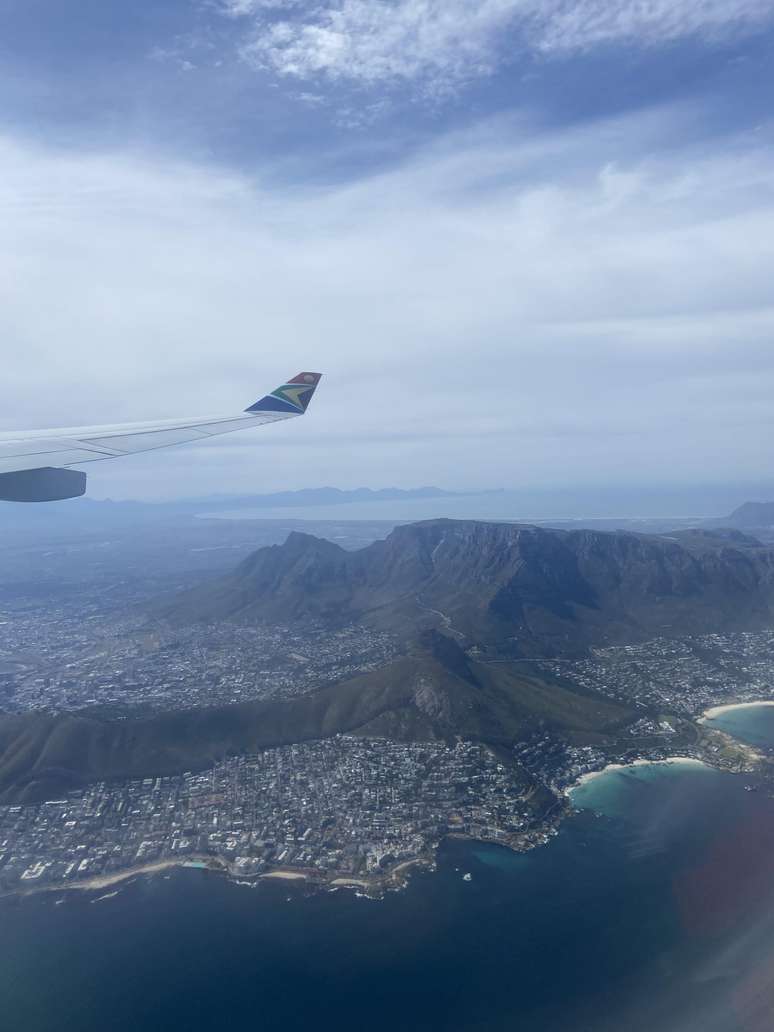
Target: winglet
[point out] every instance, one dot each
(292, 397)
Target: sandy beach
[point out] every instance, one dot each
(286, 875)
(104, 881)
(406, 865)
(717, 711)
(681, 760)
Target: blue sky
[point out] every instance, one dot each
(529, 241)
(338, 88)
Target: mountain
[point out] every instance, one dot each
(312, 496)
(752, 515)
(87, 511)
(433, 692)
(466, 599)
(508, 588)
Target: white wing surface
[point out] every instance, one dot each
(58, 450)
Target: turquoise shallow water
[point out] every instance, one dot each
(625, 792)
(752, 724)
(651, 909)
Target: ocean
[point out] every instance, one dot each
(651, 909)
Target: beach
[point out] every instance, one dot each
(104, 881)
(718, 711)
(584, 779)
(285, 875)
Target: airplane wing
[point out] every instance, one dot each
(35, 465)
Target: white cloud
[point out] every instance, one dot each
(371, 41)
(582, 24)
(443, 43)
(243, 8)
(506, 308)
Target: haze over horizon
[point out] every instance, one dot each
(652, 505)
(528, 244)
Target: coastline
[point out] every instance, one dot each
(376, 885)
(688, 761)
(285, 875)
(393, 878)
(106, 881)
(372, 886)
(718, 711)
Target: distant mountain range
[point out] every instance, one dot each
(90, 511)
(305, 498)
(394, 505)
(315, 496)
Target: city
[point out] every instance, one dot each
(73, 658)
(684, 675)
(343, 808)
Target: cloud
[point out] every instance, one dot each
(243, 8)
(580, 25)
(441, 44)
(369, 41)
(508, 307)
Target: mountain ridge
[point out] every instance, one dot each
(433, 692)
(514, 588)
(753, 515)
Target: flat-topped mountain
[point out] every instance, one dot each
(511, 588)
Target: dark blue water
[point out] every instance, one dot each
(658, 914)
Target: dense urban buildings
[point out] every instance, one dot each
(344, 806)
(68, 658)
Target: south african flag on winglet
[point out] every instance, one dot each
(292, 397)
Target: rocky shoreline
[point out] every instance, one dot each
(715, 749)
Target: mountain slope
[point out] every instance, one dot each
(752, 515)
(435, 692)
(516, 589)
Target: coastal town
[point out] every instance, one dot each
(684, 675)
(344, 808)
(345, 811)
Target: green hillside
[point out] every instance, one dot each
(433, 693)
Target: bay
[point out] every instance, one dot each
(749, 722)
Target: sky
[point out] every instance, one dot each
(529, 243)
